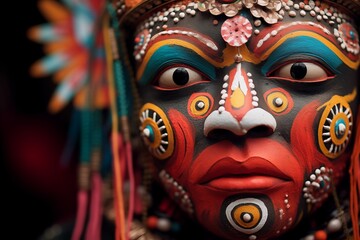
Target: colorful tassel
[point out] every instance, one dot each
(355, 181)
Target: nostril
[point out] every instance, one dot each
(260, 131)
(222, 134)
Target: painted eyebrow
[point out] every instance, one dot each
(205, 40)
(166, 55)
(273, 34)
(269, 41)
(199, 43)
(303, 47)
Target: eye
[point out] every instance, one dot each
(302, 72)
(178, 77)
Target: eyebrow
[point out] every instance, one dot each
(267, 37)
(205, 40)
(199, 43)
(168, 55)
(265, 44)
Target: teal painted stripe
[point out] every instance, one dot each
(303, 46)
(170, 55)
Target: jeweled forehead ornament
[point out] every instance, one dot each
(269, 10)
(237, 30)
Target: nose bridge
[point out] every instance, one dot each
(239, 87)
(239, 111)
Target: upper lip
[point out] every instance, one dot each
(253, 166)
(256, 159)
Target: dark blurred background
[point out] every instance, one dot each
(36, 190)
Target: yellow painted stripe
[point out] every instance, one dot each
(178, 42)
(351, 64)
(228, 54)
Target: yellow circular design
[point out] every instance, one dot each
(153, 118)
(252, 211)
(271, 98)
(202, 111)
(335, 110)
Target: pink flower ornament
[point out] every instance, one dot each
(236, 31)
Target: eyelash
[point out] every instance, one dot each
(312, 65)
(168, 82)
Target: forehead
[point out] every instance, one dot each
(200, 27)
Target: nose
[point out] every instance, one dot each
(238, 111)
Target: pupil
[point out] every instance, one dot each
(181, 76)
(298, 71)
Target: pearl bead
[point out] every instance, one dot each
(334, 225)
(163, 224)
(309, 237)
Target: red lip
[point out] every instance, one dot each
(262, 164)
(252, 174)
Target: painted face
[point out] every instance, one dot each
(248, 109)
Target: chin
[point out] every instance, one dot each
(253, 215)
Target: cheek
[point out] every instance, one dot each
(302, 132)
(181, 160)
(170, 139)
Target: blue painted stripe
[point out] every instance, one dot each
(169, 55)
(303, 46)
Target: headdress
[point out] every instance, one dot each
(85, 43)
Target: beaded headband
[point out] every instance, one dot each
(131, 11)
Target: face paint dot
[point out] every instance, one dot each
(252, 237)
(278, 102)
(200, 105)
(246, 217)
(340, 128)
(146, 132)
(215, 22)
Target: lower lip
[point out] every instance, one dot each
(248, 183)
